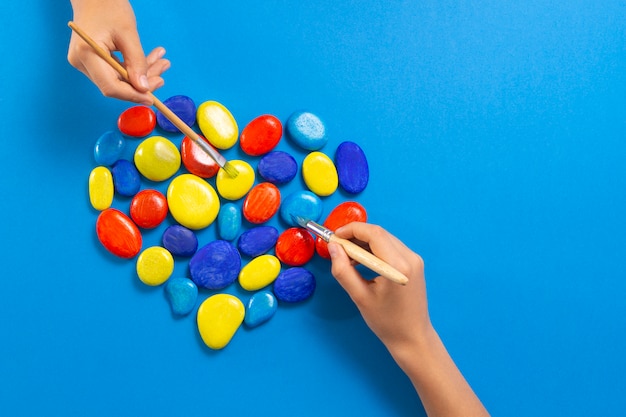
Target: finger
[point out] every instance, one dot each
(134, 60)
(155, 55)
(345, 273)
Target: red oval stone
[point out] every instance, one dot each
(295, 246)
(261, 203)
(118, 234)
(344, 213)
(261, 135)
(137, 121)
(148, 208)
(196, 160)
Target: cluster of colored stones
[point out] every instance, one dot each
(276, 270)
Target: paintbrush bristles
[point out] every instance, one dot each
(230, 170)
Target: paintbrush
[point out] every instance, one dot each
(354, 251)
(169, 114)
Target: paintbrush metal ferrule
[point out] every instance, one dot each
(313, 227)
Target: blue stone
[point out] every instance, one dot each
(229, 221)
(183, 107)
(182, 294)
(300, 203)
(294, 285)
(352, 167)
(180, 241)
(215, 265)
(257, 241)
(278, 167)
(126, 178)
(306, 130)
(109, 148)
(261, 307)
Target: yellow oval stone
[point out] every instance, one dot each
(235, 188)
(217, 124)
(219, 317)
(320, 174)
(155, 265)
(259, 272)
(101, 188)
(157, 158)
(192, 201)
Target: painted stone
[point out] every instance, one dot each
(137, 121)
(192, 201)
(260, 308)
(259, 272)
(258, 240)
(218, 319)
(261, 203)
(196, 160)
(295, 246)
(126, 178)
(181, 293)
(306, 130)
(278, 167)
(155, 265)
(118, 234)
(215, 265)
(101, 189)
(320, 174)
(261, 135)
(148, 208)
(352, 167)
(229, 221)
(183, 107)
(235, 188)
(180, 241)
(294, 285)
(300, 203)
(109, 148)
(157, 158)
(344, 213)
(217, 124)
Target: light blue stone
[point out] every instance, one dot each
(182, 294)
(109, 148)
(229, 221)
(126, 178)
(300, 203)
(261, 307)
(307, 130)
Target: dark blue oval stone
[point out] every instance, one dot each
(180, 241)
(257, 241)
(352, 167)
(183, 107)
(215, 266)
(278, 167)
(126, 178)
(294, 285)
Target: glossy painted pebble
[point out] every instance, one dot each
(295, 246)
(306, 130)
(344, 213)
(320, 174)
(126, 178)
(197, 161)
(218, 319)
(235, 188)
(261, 135)
(101, 188)
(294, 285)
(215, 265)
(148, 208)
(137, 121)
(180, 241)
(192, 201)
(157, 158)
(109, 148)
(259, 272)
(261, 203)
(260, 308)
(118, 234)
(300, 203)
(352, 167)
(182, 294)
(217, 124)
(155, 265)
(258, 240)
(229, 221)
(183, 107)
(278, 167)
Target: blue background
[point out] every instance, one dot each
(496, 136)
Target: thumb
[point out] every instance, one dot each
(135, 62)
(345, 273)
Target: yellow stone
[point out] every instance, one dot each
(320, 174)
(101, 188)
(235, 188)
(219, 317)
(259, 272)
(217, 124)
(157, 158)
(155, 265)
(192, 201)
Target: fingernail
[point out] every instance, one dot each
(143, 81)
(332, 250)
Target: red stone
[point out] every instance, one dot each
(261, 203)
(261, 135)
(148, 208)
(295, 246)
(344, 213)
(196, 160)
(118, 234)
(137, 121)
